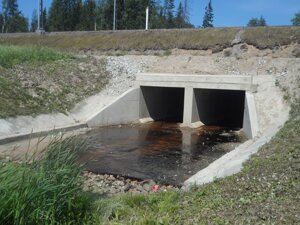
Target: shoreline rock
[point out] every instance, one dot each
(115, 185)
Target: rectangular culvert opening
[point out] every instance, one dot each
(162, 103)
(220, 107)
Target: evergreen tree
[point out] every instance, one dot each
(160, 19)
(55, 17)
(34, 21)
(13, 20)
(179, 20)
(45, 24)
(88, 15)
(1, 20)
(104, 11)
(208, 16)
(155, 17)
(64, 15)
(255, 22)
(186, 14)
(169, 13)
(131, 14)
(296, 19)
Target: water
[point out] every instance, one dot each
(159, 151)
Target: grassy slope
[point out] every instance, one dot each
(37, 80)
(131, 40)
(201, 39)
(266, 191)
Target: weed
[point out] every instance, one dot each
(45, 191)
(167, 52)
(201, 39)
(13, 55)
(271, 37)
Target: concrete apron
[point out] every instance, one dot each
(232, 162)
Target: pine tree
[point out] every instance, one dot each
(155, 15)
(296, 19)
(186, 14)
(179, 20)
(55, 17)
(1, 20)
(208, 16)
(34, 21)
(45, 23)
(64, 15)
(255, 22)
(169, 13)
(13, 20)
(88, 15)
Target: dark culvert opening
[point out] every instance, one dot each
(220, 107)
(164, 104)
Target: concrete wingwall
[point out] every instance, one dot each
(250, 121)
(123, 110)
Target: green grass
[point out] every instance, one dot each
(13, 55)
(46, 190)
(266, 191)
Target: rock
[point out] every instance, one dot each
(151, 183)
(296, 52)
(113, 185)
(139, 188)
(147, 187)
(127, 187)
(111, 178)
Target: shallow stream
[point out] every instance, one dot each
(160, 151)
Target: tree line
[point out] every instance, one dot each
(70, 15)
(73, 15)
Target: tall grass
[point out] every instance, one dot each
(13, 55)
(46, 191)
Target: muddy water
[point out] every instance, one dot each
(160, 151)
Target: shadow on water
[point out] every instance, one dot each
(159, 151)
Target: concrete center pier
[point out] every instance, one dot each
(224, 100)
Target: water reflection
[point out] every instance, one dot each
(160, 151)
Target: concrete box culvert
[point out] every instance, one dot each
(210, 100)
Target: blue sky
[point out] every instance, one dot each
(227, 12)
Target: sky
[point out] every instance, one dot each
(227, 13)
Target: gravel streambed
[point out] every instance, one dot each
(114, 185)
